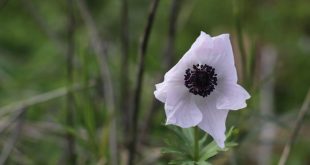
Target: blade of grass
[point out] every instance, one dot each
(105, 75)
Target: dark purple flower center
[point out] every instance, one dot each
(200, 80)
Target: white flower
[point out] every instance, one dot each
(202, 87)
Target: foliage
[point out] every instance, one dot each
(184, 152)
(33, 61)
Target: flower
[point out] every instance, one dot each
(202, 87)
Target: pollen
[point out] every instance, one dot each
(200, 80)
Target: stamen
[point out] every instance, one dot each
(200, 80)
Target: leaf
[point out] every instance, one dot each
(188, 134)
(184, 137)
(213, 149)
(203, 140)
(182, 145)
(170, 150)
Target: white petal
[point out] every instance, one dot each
(185, 114)
(214, 51)
(203, 50)
(177, 72)
(231, 96)
(175, 93)
(188, 58)
(213, 120)
(160, 92)
(172, 77)
(180, 109)
(223, 46)
(202, 43)
(225, 66)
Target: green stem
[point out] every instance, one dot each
(196, 144)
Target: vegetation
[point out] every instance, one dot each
(69, 83)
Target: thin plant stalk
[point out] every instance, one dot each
(10, 144)
(70, 100)
(124, 88)
(169, 54)
(139, 82)
(196, 144)
(301, 116)
(88, 111)
(173, 18)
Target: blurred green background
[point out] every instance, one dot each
(35, 71)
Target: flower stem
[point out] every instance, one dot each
(196, 144)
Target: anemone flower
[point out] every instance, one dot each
(202, 87)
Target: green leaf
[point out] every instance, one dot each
(213, 149)
(203, 140)
(182, 145)
(188, 134)
(171, 150)
(184, 137)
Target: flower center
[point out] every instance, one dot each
(200, 79)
